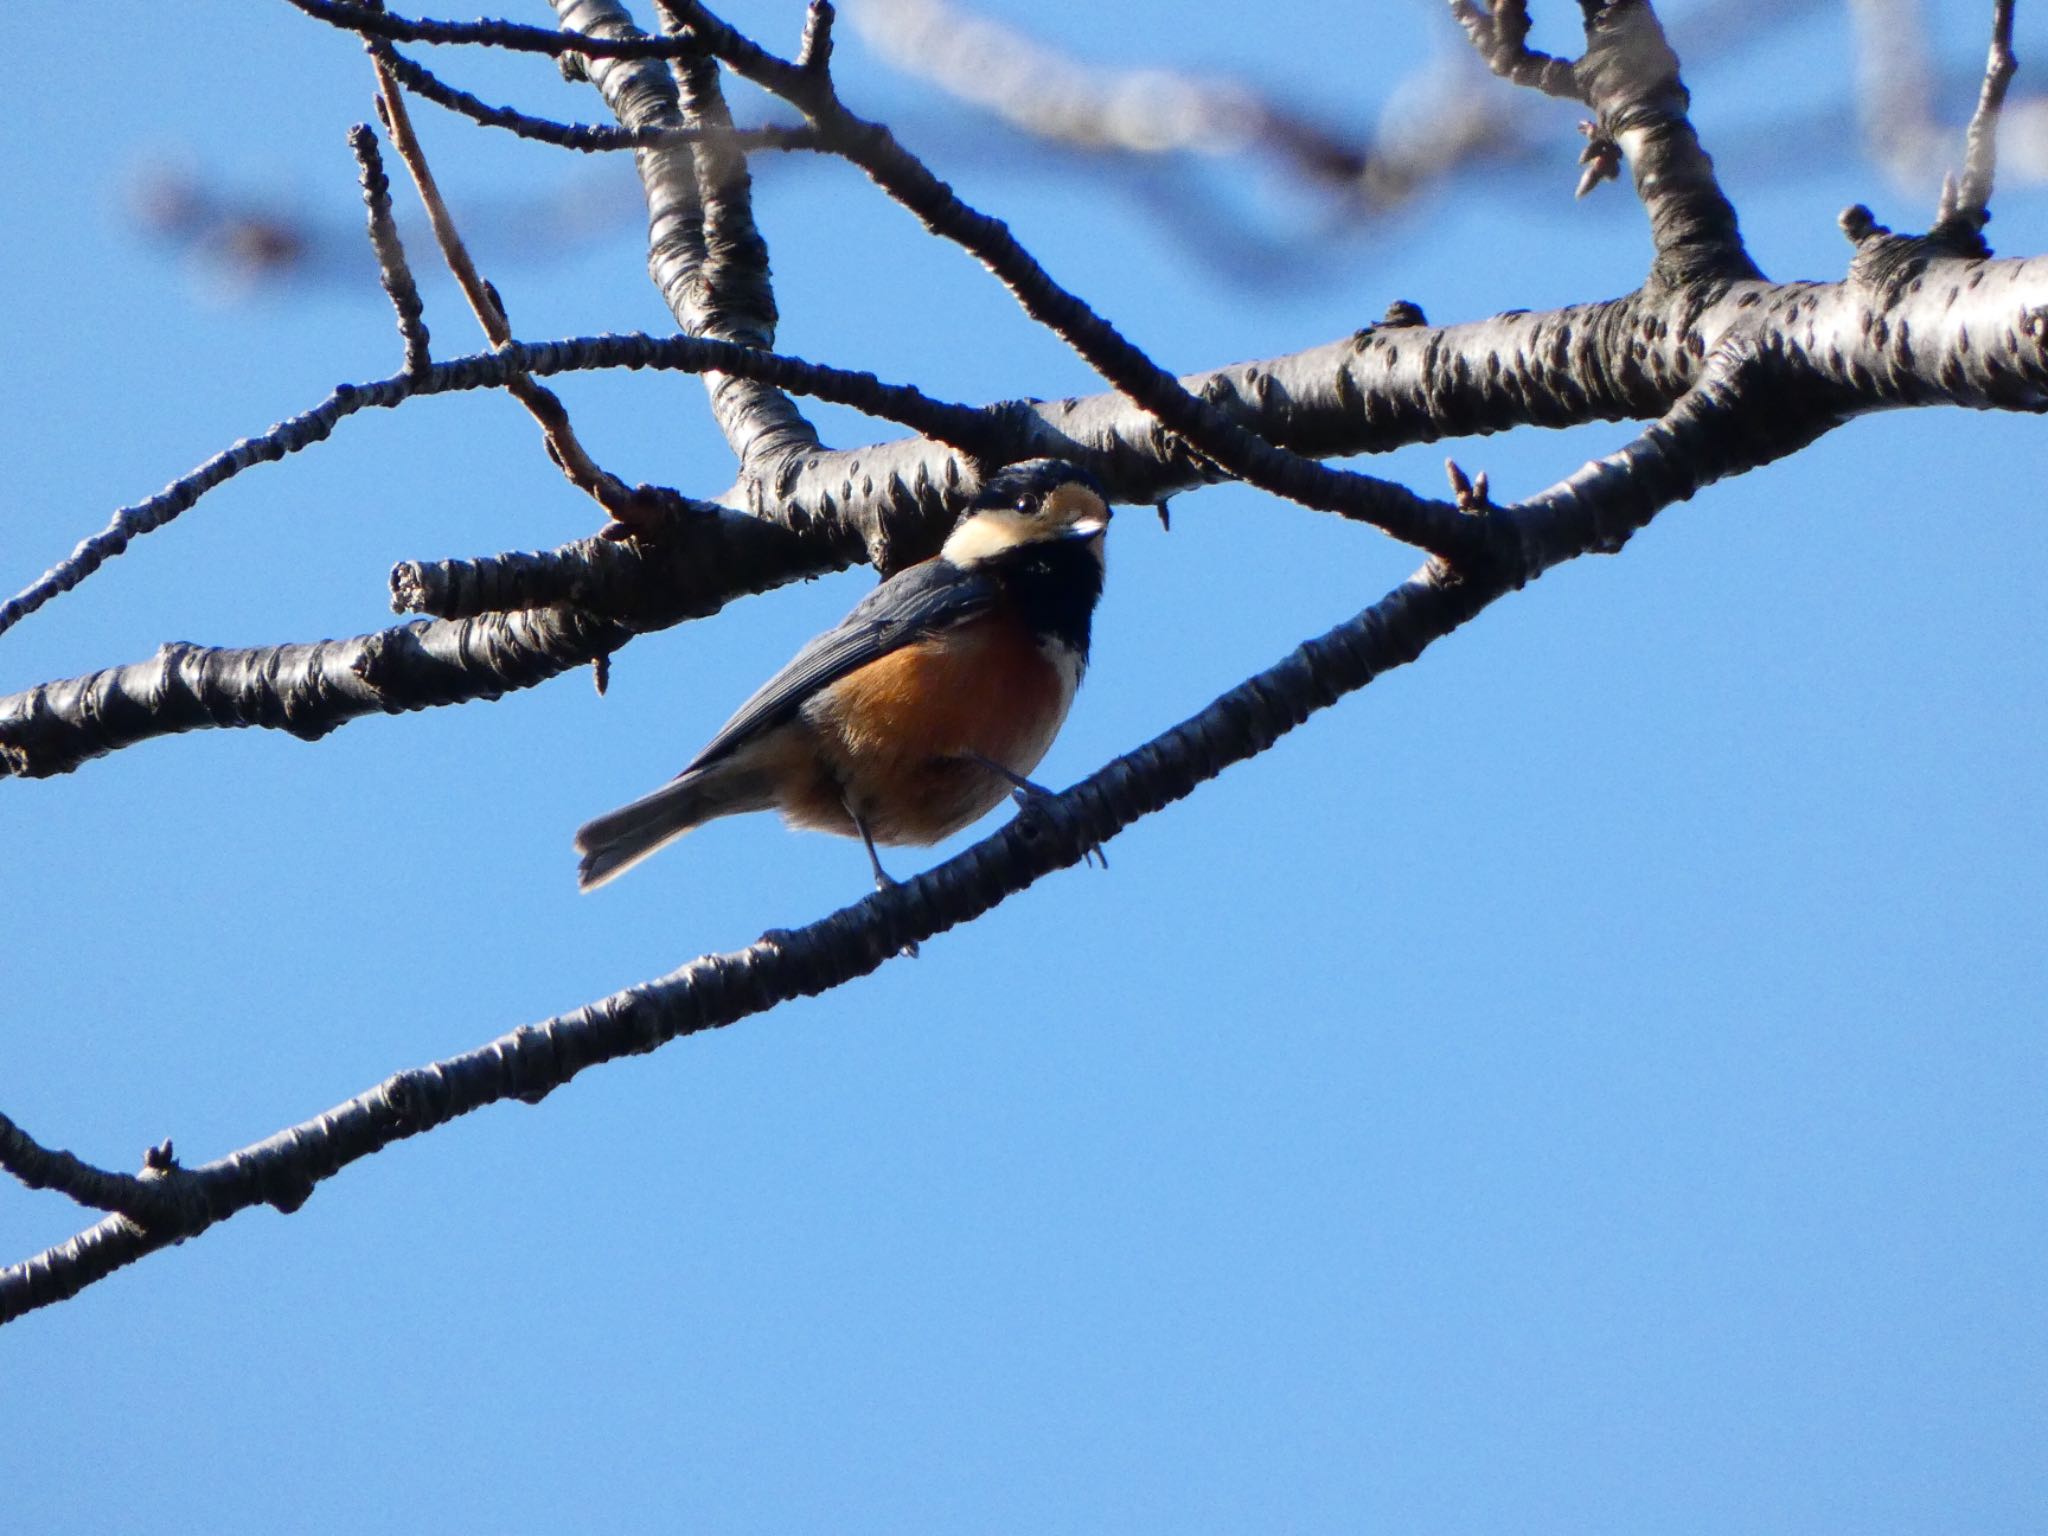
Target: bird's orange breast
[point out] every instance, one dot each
(898, 737)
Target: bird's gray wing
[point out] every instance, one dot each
(916, 602)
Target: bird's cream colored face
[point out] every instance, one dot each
(1066, 511)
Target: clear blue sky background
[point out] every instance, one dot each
(1593, 1080)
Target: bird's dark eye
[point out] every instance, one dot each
(1024, 503)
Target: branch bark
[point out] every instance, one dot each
(704, 253)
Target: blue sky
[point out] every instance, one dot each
(1594, 1079)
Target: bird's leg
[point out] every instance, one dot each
(1024, 791)
(883, 879)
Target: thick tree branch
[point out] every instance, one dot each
(1629, 77)
(734, 294)
(307, 690)
(704, 254)
(1632, 82)
(1911, 327)
(40, 1167)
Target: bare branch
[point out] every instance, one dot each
(1745, 412)
(542, 403)
(1053, 96)
(556, 43)
(1431, 525)
(592, 138)
(1629, 77)
(704, 254)
(40, 1167)
(814, 49)
(390, 250)
(1500, 32)
(972, 431)
(131, 522)
(1382, 388)
(736, 298)
(306, 690)
(1912, 327)
(1725, 417)
(1965, 208)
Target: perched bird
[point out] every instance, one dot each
(924, 706)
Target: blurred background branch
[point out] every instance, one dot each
(1256, 185)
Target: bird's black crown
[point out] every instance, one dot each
(1030, 479)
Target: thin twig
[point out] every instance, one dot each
(593, 138)
(1965, 206)
(814, 48)
(515, 37)
(1500, 33)
(972, 430)
(390, 250)
(542, 403)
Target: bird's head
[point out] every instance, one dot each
(1040, 501)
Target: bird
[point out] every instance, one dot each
(922, 709)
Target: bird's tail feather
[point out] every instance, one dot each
(617, 840)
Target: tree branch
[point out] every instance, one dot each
(1629, 77)
(1965, 208)
(1912, 326)
(967, 430)
(1499, 32)
(392, 268)
(1428, 524)
(306, 690)
(564, 447)
(515, 37)
(591, 138)
(704, 254)
(40, 1167)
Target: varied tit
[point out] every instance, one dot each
(924, 706)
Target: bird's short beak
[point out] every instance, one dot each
(1087, 527)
